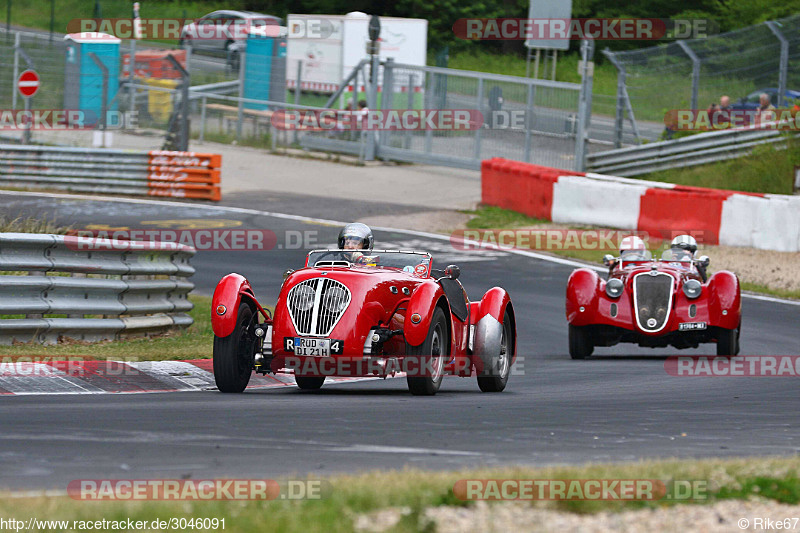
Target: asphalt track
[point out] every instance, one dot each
(618, 406)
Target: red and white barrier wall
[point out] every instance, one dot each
(764, 221)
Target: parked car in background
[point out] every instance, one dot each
(217, 32)
(751, 101)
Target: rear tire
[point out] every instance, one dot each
(234, 354)
(580, 342)
(494, 378)
(434, 349)
(309, 382)
(728, 342)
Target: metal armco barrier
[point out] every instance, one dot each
(154, 173)
(697, 149)
(134, 287)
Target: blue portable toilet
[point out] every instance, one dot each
(265, 65)
(83, 78)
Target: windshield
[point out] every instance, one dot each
(636, 255)
(676, 255)
(417, 263)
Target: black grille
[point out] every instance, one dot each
(653, 300)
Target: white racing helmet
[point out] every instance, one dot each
(684, 242)
(632, 243)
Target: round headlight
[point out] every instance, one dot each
(692, 288)
(614, 287)
(335, 299)
(302, 298)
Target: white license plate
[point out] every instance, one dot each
(692, 326)
(312, 347)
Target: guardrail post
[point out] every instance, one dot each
(784, 62)
(387, 101)
(584, 105)
(372, 95)
(695, 71)
(407, 135)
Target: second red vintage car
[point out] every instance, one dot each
(653, 303)
(349, 314)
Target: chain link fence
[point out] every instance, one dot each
(694, 73)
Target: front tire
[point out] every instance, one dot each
(233, 355)
(580, 342)
(728, 342)
(494, 378)
(434, 349)
(309, 382)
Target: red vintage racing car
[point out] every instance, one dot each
(653, 303)
(350, 314)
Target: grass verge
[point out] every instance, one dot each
(345, 497)
(195, 342)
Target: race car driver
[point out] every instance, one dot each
(355, 236)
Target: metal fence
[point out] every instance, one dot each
(147, 173)
(694, 73)
(63, 287)
(699, 149)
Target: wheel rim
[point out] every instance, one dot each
(503, 354)
(436, 353)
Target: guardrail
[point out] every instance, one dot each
(685, 152)
(134, 287)
(153, 173)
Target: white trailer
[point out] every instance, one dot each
(330, 46)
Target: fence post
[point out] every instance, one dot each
(784, 62)
(297, 94)
(428, 104)
(131, 82)
(407, 135)
(479, 107)
(203, 119)
(16, 68)
(528, 120)
(619, 114)
(695, 71)
(387, 101)
(372, 95)
(584, 105)
(240, 111)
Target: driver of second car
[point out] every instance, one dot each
(356, 236)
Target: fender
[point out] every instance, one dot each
(724, 294)
(582, 290)
(229, 292)
(488, 322)
(423, 301)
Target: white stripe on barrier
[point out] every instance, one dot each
(769, 223)
(579, 200)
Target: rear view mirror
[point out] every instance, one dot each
(608, 260)
(452, 271)
(703, 261)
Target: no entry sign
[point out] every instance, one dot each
(28, 83)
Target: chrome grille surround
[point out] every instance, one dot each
(652, 300)
(318, 320)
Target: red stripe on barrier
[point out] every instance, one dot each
(521, 187)
(697, 211)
